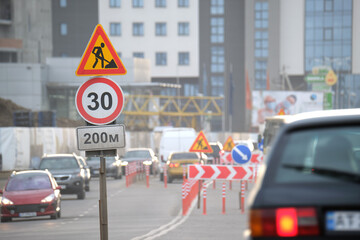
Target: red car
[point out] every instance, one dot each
(29, 194)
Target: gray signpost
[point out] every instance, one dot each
(99, 101)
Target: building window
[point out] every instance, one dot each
(217, 59)
(183, 3)
(63, 29)
(160, 29)
(217, 7)
(217, 85)
(183, 29)
(328, 35)
(115, 3)
(160, 3)
(63, 3)
(329, 5)
(184, 58)
(138, 55)
(190, 89)
(138, 29)
(261, 44)
(217, 30)
(138, 3)
(115, 29)
(161, 59)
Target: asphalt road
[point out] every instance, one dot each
(137, 212)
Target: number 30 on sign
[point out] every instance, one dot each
(99, 101)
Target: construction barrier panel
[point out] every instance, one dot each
(190, 190)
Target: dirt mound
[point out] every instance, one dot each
(7, 107)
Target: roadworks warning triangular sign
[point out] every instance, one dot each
(229, 145)
(100, 57)
(201, 144)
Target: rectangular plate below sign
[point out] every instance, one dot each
(101, 137)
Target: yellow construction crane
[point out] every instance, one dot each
(148, 111)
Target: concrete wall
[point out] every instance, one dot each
(31, 26)
(23, 84)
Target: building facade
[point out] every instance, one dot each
(25, 31)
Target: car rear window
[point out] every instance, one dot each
(179, 156)
(24, 182)
(318, 155)
(54, 163)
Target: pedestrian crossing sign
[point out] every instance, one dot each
(201, 144)
(229, 145)
(100, 57)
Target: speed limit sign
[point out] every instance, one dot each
(99, 100)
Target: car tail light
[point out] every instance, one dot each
(284, 222)
(172, 165)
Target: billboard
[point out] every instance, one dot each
(271, 103)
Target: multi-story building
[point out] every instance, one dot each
(210, 47)
(25, 31)
(166, 32)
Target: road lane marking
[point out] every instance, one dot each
(164, 229)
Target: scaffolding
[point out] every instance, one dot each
(144, 112)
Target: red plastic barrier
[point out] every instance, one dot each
(223, 197)
(204, 199)
(190, 190)
(147, 168)
(165, 176)
(242, 196)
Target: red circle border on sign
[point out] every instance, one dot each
(85, 115)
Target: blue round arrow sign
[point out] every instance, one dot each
(241, 154)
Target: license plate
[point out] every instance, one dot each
(63, 186)
(27, 214)
(343, 221)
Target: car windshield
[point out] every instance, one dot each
(137, 154)
(28, 181)
(55, 163)
(181, 156)
(320, 155)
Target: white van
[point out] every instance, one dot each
(174, 140)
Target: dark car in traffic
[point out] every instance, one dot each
(309, 187)
(146, 156)
(68, 172)
(113, 166)
(30, 193)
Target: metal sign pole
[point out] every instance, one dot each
(103, 199)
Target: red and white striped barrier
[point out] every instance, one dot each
(147, 169)
(242, 196)
(223, 197)
(184, 173)
(165, 176)
(225, 157)
(224, 172)
(190, 189)
(204, 199)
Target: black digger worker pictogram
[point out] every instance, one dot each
(98, 52)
